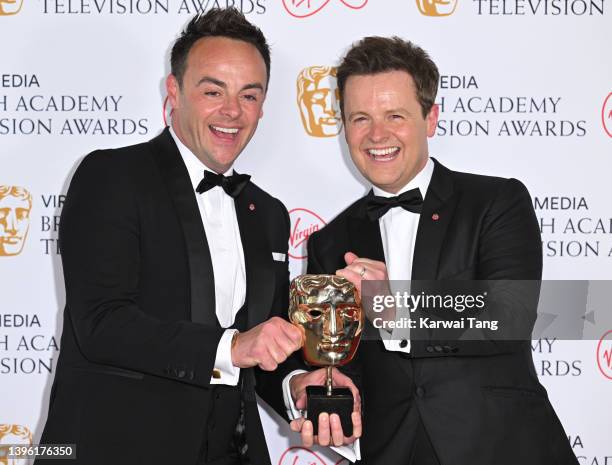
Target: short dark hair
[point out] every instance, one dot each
(373, 55)
(217, 22)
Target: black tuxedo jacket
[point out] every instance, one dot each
(140, 331)
(480, 402)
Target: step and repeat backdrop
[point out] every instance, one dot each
(525, 92)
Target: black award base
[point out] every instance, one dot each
(340, 402)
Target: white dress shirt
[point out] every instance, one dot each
(218, 213)
(398, 230)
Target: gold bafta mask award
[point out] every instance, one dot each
(328, 309)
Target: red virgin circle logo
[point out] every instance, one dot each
(303, 223)
(306, 8)
(302, 456)
(604, 355)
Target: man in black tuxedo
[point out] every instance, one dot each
(175, 274)
(428, 401)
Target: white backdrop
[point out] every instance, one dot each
(526, 92)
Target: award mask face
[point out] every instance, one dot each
(329, 309)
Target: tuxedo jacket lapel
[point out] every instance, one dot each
(364, 234)
(257, 259)
(438, 209)
(176, 179)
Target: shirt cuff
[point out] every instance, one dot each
(398, 340)
(225, 372)
(292, 412)
(351, 452)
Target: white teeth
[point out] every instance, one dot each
(383, 152)
(225, 130)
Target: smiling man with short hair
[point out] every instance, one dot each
(427, 401)
(176, 274)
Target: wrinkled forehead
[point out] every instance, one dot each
(328, 294)
(312, 289)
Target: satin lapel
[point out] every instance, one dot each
(438, 209)
(366, 242)
(364, 234)
(176, 179)
(257, 258)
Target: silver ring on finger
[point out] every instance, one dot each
(363, 272)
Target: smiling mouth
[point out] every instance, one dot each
(221, 132)
(383, 154)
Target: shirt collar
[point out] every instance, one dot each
(420, 181)
(195, 167)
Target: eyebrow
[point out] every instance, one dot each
(355, 113)
(365, 113)
(217, 82)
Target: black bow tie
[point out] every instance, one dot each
(410, 200)
(232, 185)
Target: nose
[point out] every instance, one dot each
(332, 322)
(335, 324)
(231, 107)
(378, 132)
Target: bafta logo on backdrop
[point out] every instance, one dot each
(10, 7)
(437, 7)
(15, 207)
(319, 101)
(13, 435)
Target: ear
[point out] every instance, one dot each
(172, 89)
(432, 120)
(261, 112)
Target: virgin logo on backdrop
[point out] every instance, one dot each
(604, 355)
(302, 456)
(304, 222)
(606, 115)
(306, 8)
